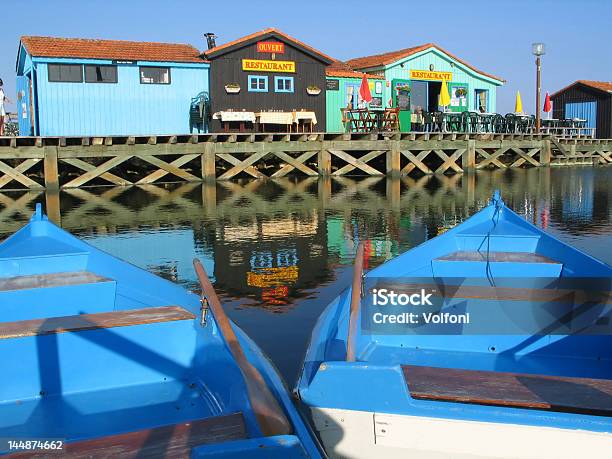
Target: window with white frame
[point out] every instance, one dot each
(155, 75)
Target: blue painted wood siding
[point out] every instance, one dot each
(125, 108)
(583, 110)
(23, 106)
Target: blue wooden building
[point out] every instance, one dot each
(80, 87)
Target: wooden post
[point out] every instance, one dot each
(209, 170)
(52, 206)
(50, 167)
(468, 183)
(324, 191)
(209, 197)
(324, 162)
(393, 191)
(393, 160)
(468, 159)
(545, 153)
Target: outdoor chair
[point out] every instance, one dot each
(472, 122)
(499, 124)
(428, 121)
(485, 123)
(511, 123)
(390, 121)
(438, 120)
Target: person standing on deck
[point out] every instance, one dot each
(3, 99)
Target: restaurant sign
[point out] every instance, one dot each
(270, 47)
(431, 76)
(268, 66)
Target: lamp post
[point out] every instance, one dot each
(537, 50)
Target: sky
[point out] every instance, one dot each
(494, 36)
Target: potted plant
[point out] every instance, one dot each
(313, 90)
(461, 92)
(232, 88)
(403, 89)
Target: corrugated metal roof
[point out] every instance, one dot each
(110, 49)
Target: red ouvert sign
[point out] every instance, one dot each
(270, 47)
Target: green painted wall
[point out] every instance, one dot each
(442, 63)
(335, 100)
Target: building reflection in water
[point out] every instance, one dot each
(270, 243)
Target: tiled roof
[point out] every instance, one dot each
(269, 31)
(110, 49)
(379, 60)
(605, 86)
(342, 70)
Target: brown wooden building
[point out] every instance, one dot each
(267, 81)
(589, 100)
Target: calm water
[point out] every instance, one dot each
(279, 251)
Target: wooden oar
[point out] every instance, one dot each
(355, 302)
(269, 414)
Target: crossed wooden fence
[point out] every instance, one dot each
(35, 163)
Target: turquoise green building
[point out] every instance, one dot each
(342, 91)
(411, 78)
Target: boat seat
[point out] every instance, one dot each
(55, 294)
(474, 263)
(497, 257)
(173, 441)
(49, 280)
(517, 390)
(82, 322)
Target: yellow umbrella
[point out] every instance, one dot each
(518, 104)
(444, 96)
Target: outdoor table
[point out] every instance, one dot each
(227, 117)
(306, 117)
(283, 118)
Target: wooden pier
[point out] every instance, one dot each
(74, 162)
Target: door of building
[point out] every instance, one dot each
(584, 111)
(24, 108)
(418, 95)
(352, 95)
(433, 93)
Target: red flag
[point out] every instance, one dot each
(364, 90)
(547, 104)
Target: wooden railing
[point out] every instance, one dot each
(570, 132)
(52, 162)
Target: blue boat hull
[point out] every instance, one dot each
(476, 390)
(94, 349)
